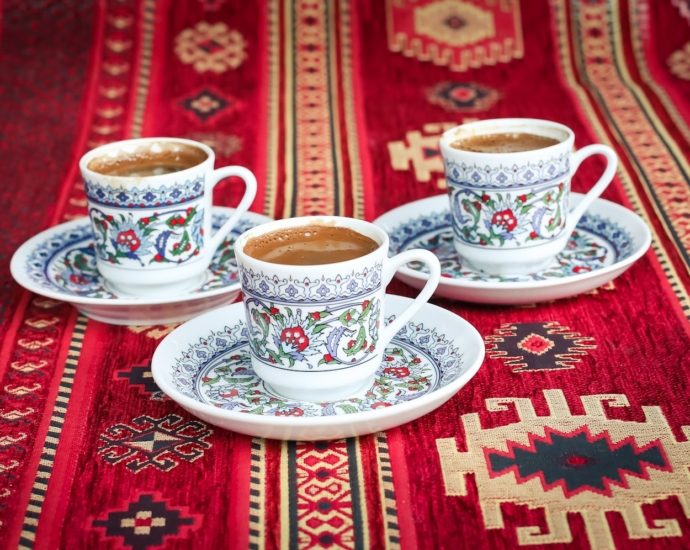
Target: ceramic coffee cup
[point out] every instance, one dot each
(152, 234)
(510, 211)
(318, 332)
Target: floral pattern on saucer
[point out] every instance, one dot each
(218, 371)
(597, 242)
(66, 262)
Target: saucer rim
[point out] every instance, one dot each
(441, 395)
(383, 221)
(19, 258)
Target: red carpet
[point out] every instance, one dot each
(337, 105)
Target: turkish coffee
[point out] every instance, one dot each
(154, 160)
(310, 245)
(517, 142)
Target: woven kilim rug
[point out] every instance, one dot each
(337, 106)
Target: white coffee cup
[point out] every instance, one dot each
(318, 332)
(152, 234)
(510, 211)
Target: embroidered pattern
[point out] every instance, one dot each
(564, 463)
(462, 97)
(157, 442)
(150, 197)
(596, 243)
(206, 104)
(218, 371)
(537, 346)
(458, 33)
(146, 523)
(212, 48)
(141, 376)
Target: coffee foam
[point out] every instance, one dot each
(164, 153)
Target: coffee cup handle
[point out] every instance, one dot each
(611, 164)
(390, 267)
(249, 194)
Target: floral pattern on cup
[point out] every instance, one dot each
(218, 371)
(175, 237)
(490, 218)
(312, 290)
(541, 172)
(287, 337)
(67, 262)
(149, 197)
(596, 243)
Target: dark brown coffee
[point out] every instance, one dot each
(310, 245)
(503, 143)
(152, 161)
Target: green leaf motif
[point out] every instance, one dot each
(357, 346)
(348, 409)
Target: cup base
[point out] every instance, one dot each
(322, 395)
(129, 290)
(508, 270)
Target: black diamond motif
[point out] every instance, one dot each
(537, 346)
(145, 523)
(577, 461)
(206, 104)
(141, 376)
(157, 442)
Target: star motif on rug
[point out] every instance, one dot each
(146, 523)
(463, 97)
(141, 376)
(206, 104)
(157, 442)
(212, 48)
(537, 346)
(576, 461)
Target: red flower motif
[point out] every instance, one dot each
(231, 393)
(77, 279)
(478, 205)
(145, 221)
(581, 269)
(296, 337)
(389, 358)
(274, 311)
(380, 404)
(348, 317)
(158, 258)
(533, 235)
(109, 218)
(522, 198)
(328, 358)
(129, 239)
(270, 358)
(266, 317)
(294, 412)
(364, 345)
(416, 360)
(485, 198)
(506, 219)
(399, 372)
(316, 316)
(365, 304)
(189, 210)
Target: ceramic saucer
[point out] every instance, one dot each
(608, 240)
(205, 366)
(59, 263)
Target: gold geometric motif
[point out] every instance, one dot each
(472, 23)
(656, 468)
(45, 303)
(42, 323)
(155, 332)
(211, 47)
(28, 367)
(679, 62)
(422, 152)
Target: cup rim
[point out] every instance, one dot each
(102, 149)
(352, 223)
(445, 140)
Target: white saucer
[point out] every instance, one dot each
(608, 240)
(59, 263)
(205, 366)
